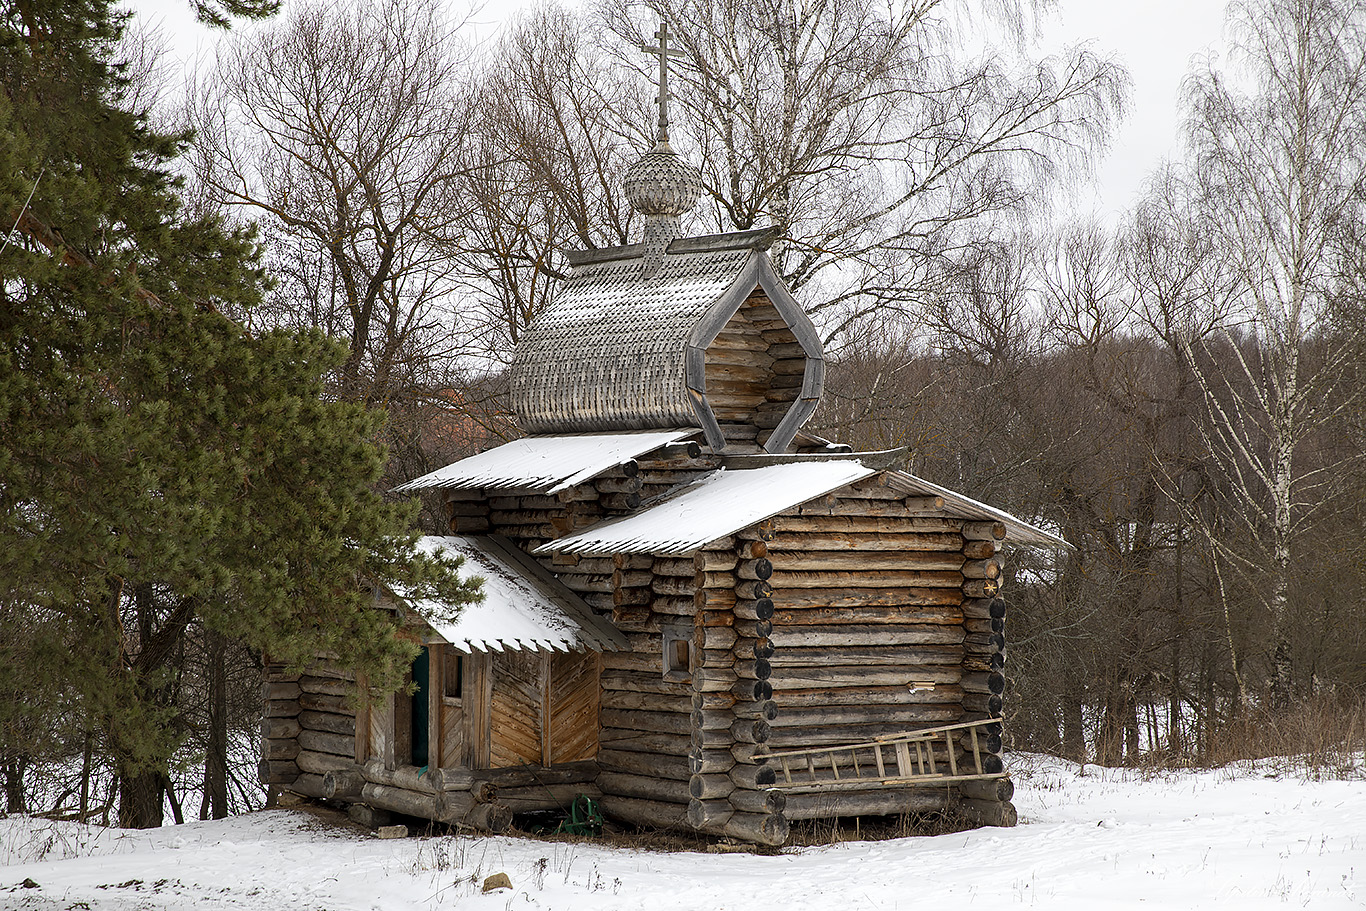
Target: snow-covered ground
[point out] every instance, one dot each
(1241, 838)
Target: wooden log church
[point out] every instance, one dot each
(696, 614)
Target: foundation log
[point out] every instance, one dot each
(760, 828)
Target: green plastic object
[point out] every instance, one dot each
(585, 818)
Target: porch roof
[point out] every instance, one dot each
(524, 606)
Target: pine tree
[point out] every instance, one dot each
(160, 466)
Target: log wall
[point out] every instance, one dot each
(743, 364)
(308, 727)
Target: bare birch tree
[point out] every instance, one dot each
(1276, 172)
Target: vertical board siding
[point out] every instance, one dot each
(515, 719)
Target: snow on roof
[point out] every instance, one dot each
(714, 506)
(524, 606)
(547, 464)
(1017, 530)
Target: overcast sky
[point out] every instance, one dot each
(1155, 39)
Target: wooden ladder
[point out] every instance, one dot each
(912, 761)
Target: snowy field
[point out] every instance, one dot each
(1239, 838)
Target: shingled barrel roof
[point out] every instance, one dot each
(625, 349)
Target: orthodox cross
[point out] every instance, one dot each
(664, 52)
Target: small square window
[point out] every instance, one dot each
(677, 653)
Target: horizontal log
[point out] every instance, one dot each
(528, 776)
(632, 682)
(753, 669)
(980, 588)
(580, 582)
(938, 693)
(993, 684)
(709, 815)
(620, 501)
(800, 678)
(281, 708)
(755, 570)
(322, 763)
(327, 686)
(710, 787)
(989, 812)
(984, 642)
(911, 657)
(343, 783)
(401, 800)
(488, 817)
(760, 828)
(890, 540)
(407, 778)
(886, 801)
(786, 581)
(988, 704)
(280, 689)
(705, 761)
(913, 596)
(755, 609)
(750, 776)
(638, 742)
(675, 586)
(633, 598)
(645, 814)
(759, 648)
(753, 629)
(767, 800)
(618, 485)
(328, 722)
(979, 550)
(866, 561)
(751, 730)
(647, 722)
(712, 637)
(673, 605)
(787, 637)
(324, 702)
(307, 784)
(717, 618)
(752, 590)
(525, 502)
(996, 790)
(907, 716)
(714, 679)
(681, 567)
(279, 749)
(632, 578)
(984, 531)
(279, 728)
(752, 690)
(785, 616)
(323, 742)
(659, 766)
(277, 771)
(650, 787)
(647, 702)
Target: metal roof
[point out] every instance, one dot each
(524, 608)
(713, 506)
(546, 464)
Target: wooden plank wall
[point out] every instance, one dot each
(515, 720)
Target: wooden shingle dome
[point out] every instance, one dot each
(711, 339)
